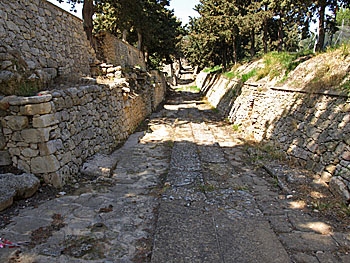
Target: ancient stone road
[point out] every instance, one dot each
(182, 191)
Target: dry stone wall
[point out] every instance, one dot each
(114, 51)
(40, 42)
(313, 129)
(52, 134)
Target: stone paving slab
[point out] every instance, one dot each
(184, 234)
(249, 240)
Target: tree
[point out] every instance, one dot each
(229, 31)
(343, 17)
(87, 14)
(326, 20)
(147, 24)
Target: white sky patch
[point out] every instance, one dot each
(183, 9)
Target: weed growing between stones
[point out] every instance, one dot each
(236, 127)
(206, 187)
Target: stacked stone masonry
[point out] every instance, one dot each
(114, 51)
(313, 129)
(52, 134)
(40, 42)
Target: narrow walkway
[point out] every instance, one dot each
(182, 191)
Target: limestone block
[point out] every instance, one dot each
(19, 101)
(44, 121)
(44, 164)
(5, 158)
(23, 165)
(36, 135)
(338, 187)
(30, 152)
(50, 147)
(346, 155)
(54, 178)
(16, 186)
(33, 109)
(66, 158)
(16, 123)
(27, 185)
(6, 198)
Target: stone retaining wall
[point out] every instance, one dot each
(52, 134)
(313, 129)
(40, 42)
(114, 51)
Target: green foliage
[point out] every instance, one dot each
(231, 31)
(148, 25)
(249, 75)
(236, 127)
(207, 187)
(278, 64)
(193, 89)
(215, 69)
(345, 49)
(244, 77)
(346, 87)
(230, 75)
(343, 16)
(27, 88)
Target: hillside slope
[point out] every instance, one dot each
(315, 73)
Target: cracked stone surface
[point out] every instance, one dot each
(182, 191)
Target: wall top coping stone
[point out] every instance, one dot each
(333, 93)
(18, 101)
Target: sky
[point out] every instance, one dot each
(182, 8)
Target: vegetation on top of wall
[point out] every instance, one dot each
(324, 71)
(215, 69)
(277, 64)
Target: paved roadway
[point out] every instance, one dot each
(184, 190)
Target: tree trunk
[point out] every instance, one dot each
(321, 30)
(139, 40)
(145, 54)
(235, 52)
(88, 12)
(125, 35)
(173, 74)
(265, 36)
(252, 43)
(280, 35)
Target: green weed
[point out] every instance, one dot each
(279, 64)
(207, 187)
(215, 110)
(215, 69)
(27, 89)
(236, 127)
(346, 87)
(249, 75)
(230, 75)
(189, 88)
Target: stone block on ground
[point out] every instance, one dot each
(16, 187)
